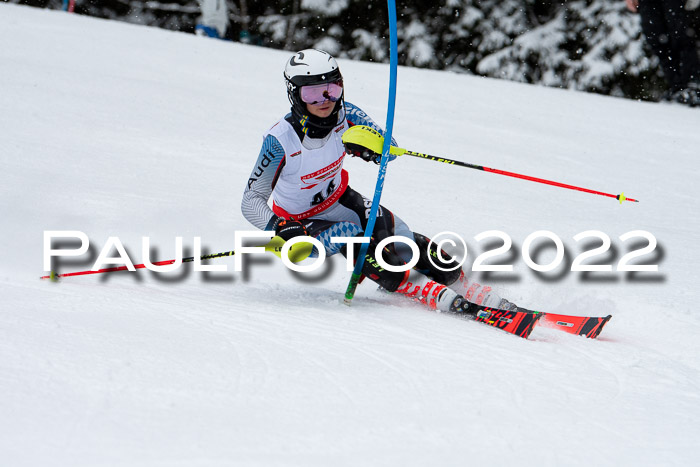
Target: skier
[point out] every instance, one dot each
(301, 166)
(214, 19)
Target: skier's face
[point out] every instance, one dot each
(320, 99)
(322, 110)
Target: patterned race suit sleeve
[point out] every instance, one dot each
(357, 116)
(261, 183)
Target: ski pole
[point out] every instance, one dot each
(297, 253)
(369, 138)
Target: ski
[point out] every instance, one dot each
(589, 326)
(520, 323)
(580, 325)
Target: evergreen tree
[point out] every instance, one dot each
(590, 45)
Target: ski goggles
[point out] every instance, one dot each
(318, 93)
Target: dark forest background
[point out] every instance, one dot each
(589, 45)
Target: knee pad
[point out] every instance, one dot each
(427, 267)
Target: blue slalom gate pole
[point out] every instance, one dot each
(393, 65)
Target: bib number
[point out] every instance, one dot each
(320, 197)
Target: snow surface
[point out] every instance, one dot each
(121, 130)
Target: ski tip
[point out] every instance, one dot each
(595, 332)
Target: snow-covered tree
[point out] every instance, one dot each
(591, 45)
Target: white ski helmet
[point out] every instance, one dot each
(308, 67)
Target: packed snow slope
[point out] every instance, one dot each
(119, 130)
